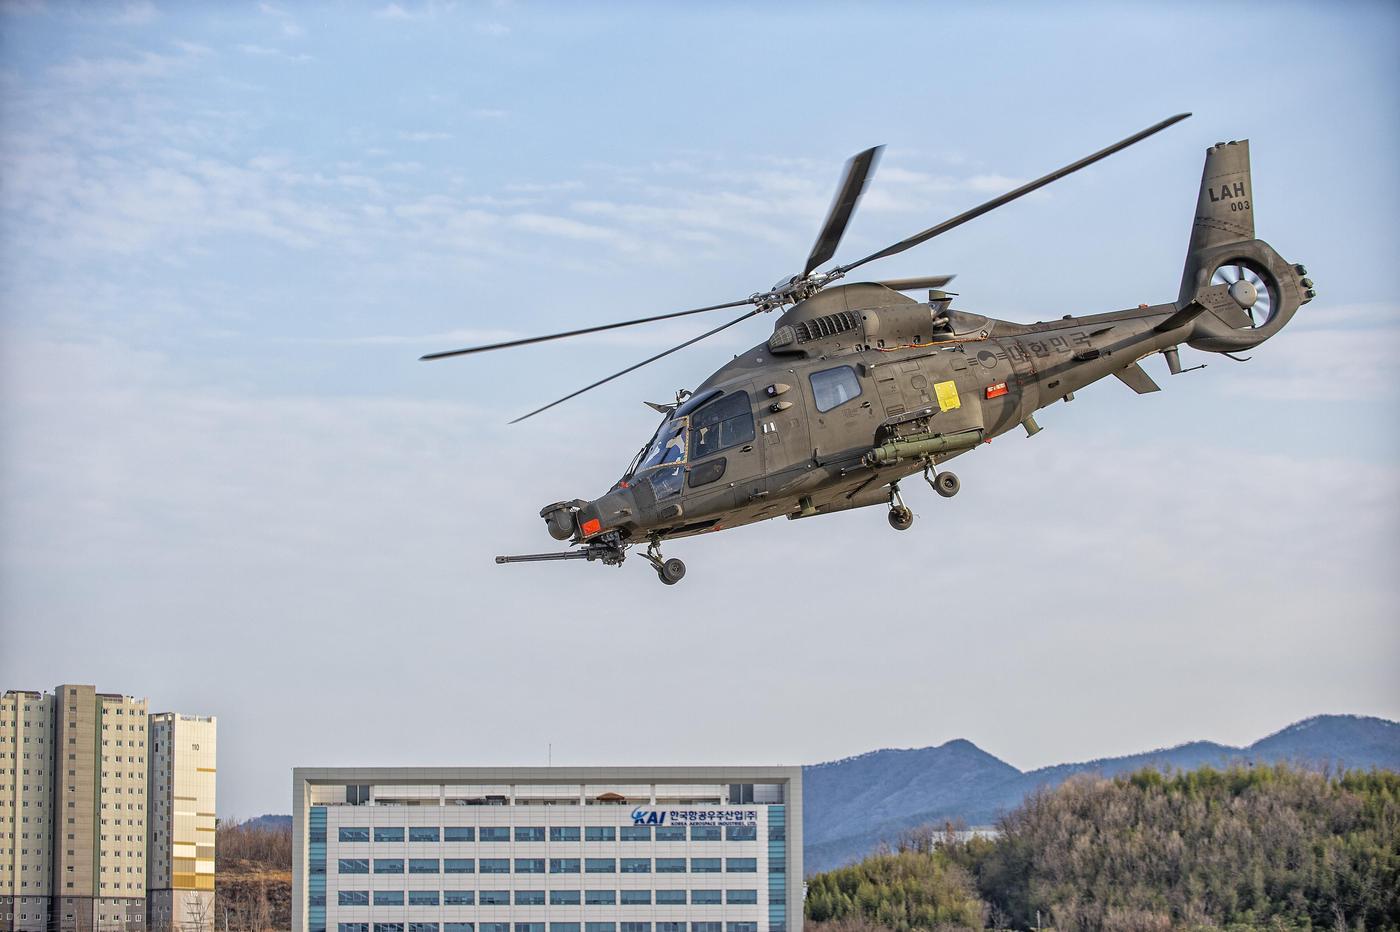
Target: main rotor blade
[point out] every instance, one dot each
(852, 186)
(1009, 196)
(708, 333)
(916, 284)
(574, 333)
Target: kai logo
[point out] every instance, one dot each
(655, 817)
(1226, 192)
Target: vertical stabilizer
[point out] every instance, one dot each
(1224, 208)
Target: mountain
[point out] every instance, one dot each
(269, 823)
(851, 805)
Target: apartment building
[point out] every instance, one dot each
(180, 855)
(75, 820)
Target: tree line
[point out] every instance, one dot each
(1244, 848)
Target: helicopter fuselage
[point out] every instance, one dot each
(860, 387)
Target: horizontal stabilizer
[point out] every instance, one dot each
(1136, 378)
(1182, 317)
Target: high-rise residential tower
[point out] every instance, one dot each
(26, 784)
(75, 820)
(180, 858)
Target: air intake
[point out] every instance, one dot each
(819, 328)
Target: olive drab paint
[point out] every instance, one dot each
(860, 386)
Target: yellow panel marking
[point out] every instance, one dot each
(947, 393)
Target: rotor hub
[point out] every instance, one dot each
(1244, 293)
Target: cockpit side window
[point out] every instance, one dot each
(723, 423)
(832, 388)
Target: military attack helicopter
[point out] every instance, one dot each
(860, 386)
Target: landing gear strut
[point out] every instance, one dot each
(901, 518)
(944, 483)
(669, 571)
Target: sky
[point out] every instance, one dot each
(228, 230)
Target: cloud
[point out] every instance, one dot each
(266, 52)
(488, 113)
(136, 14)
(493, 30)
(102, 72)
(425, 136)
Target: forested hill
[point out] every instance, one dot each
(851, 805)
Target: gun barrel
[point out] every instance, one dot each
(544, 557)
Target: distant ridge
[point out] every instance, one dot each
(852, 804)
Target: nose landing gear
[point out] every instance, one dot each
(669, 571)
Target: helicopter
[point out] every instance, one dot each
(860, 386)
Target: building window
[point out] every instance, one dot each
(388, 834)
(670, 927)
(564, 897)
(457, 833)
(600, 865)
(422, 927)
(423, 833)
(599, 927)
(600, 897)
(636, 865)
(496, 833)
(741, 832)
(388, 897)
(354, 897)
(529, 833)
(422, 897)
(353, 927)
(670, 897)
(458, 926)
(741, 897)
(670, 865)
(494, 897)
(354, 834)
(388, 865)
(458, 866)
(742, 926)
(563, 865)
(495, 865)
(670, 833)
(636, 927)
(704, 897)
(704, 833)
(741, 865)
(529, 897)
(636, 833)
(636, 897)
(563, 927)
(459, 898)
(565, 833)
(423, 866)
(529, 865)
(704, 865)
(532, 927)
(354, 866)
(707, 927)
(599, 833)
(493, 927)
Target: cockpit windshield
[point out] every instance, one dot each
(668, 446)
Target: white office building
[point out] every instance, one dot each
(547, 849)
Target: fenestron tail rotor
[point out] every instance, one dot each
(798, 287)
(1251, 290)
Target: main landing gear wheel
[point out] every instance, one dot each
(671, 572)
(901, 518)
(946, 484)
